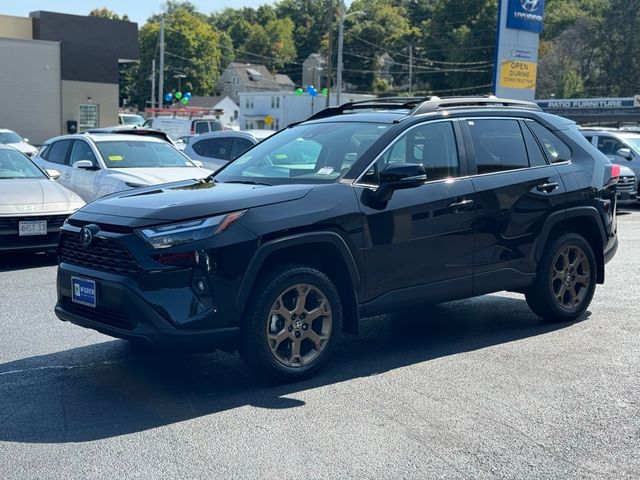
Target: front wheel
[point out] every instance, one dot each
(566, 279)
(292, 324)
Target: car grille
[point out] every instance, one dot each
(103, 254)
(99, 314)
(11, 223)
(626, 184)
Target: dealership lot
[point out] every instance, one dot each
(472, 389)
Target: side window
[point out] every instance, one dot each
(44, 151)
(536, 157)
(498, 145)
(240, 146)
(589, 138)
(202, 127)
(215, 126)
(58, 152)
(214, 148)
(609, 145)
(82, 151)
(431, 144)
(556, 149)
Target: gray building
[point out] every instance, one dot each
(60, 72)
(239, 77)
(313, 71)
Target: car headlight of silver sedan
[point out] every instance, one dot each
(171, 235)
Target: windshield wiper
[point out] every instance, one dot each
(249, 182)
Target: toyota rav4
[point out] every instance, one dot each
(362, 209)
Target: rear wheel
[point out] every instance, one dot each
(566, 279)
(292, 324)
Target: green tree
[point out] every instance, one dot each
(272, 44)
(104, 12)
(191, 49)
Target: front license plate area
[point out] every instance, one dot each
(37, 227)
(83, 291)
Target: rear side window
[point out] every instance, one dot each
(57, 152)
(240, 146)
(498, 144)
(556, 149)
(536, 157)
(214, 148)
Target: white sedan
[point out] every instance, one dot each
(98, 164)
(33, 205)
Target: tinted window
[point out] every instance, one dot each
(536, 157)
(240, 146)
(202, 127)
(432, 144)
(609, 145)
(214, 148)
(556, 149)
(58, 152)
(82, 151)
(498, 145)
(215, 126)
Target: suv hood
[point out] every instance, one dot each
(24, 148)
(185, 200)
(155, 176)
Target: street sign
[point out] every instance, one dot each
(518, 74)
(268, 120)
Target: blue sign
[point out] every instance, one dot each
(83, 291)
(525, 15)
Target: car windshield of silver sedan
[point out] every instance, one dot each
(10, 137)
(314, 153)
(14, 164)
(141, 154)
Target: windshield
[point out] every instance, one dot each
(10, 137)
(316, 153)
(14, 164)
(633, 142)
(141, 154)
(132, 120)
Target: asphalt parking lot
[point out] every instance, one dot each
(473, 389)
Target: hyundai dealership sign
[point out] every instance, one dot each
(516, 67)
(525, 15)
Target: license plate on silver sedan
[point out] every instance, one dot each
(38, 227)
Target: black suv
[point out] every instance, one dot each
(362, 209)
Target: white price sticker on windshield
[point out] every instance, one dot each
(325, 171)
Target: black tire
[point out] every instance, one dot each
(266, 356)
(557, 296)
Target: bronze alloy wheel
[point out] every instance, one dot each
(299, 324)
(570, 277)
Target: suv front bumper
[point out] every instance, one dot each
(123, 311)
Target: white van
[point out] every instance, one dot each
(177, 127)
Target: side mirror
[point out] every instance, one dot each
(625, 153)
(84, 165)
(395, 176)
(53, 174)
(25, 140)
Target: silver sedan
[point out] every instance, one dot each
(33, 206)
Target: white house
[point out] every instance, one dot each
(275, 110)
(230, 111)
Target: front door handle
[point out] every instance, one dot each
(547, 187)
(461, 205)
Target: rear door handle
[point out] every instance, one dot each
(547, 187)
(461, 205)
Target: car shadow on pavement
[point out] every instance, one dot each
(110, 389)
(22, 261)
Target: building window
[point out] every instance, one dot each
(87, 117)
(275, 102)
(235, 114)
(277, 124)
(246, 102)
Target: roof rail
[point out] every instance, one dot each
(387, 103)
(475, 101)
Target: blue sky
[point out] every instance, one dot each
(138, 10)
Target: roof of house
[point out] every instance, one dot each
(206, 101)
(254, 75)
(284, 80)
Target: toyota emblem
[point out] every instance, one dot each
(87, 233)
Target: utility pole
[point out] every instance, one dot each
(153, 83)
(340, 45)
(161, 73)
(329, 52)
(410, 69)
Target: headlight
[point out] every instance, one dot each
(165, 236)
